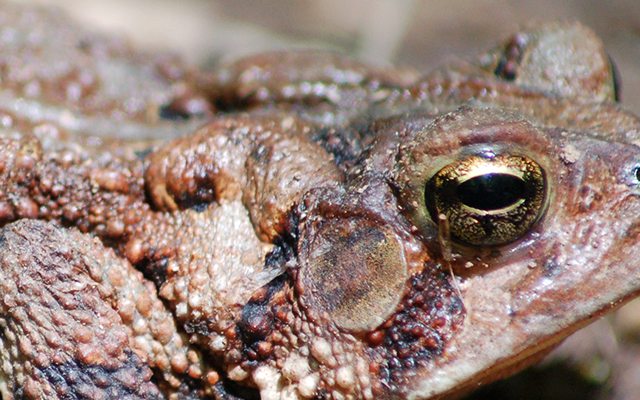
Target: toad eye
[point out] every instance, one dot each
(488, 199)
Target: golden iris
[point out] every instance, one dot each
(488, 199)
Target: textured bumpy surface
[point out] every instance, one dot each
(330, 231)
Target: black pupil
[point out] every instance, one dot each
(491, 191)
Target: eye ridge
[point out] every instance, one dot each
(488, 201)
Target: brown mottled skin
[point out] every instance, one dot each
(287, 247)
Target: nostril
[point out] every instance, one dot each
(630, 176)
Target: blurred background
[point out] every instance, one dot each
(419, 33)
(600, 362)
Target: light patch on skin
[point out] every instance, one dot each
(217, 342)
(362, 372)
(307, 385)
(570, 154)
(269, 381)
(321, 350)
(289, 392)
(345, 377)
(295, 367)
(237, 373)
(225, 269)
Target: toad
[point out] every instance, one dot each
(334, 231)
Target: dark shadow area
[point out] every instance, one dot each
(556, 381)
